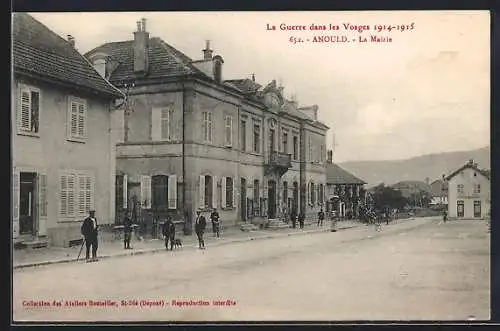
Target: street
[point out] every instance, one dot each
(419, 269)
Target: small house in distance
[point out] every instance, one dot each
(469, 192)
(345, 192)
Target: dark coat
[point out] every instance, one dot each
(200, 224)
(321, 215)
(88, 227)
(214, 217)
(168, 228)
(127, 224)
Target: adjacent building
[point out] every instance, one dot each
(439, 193)
(192, 139)
(469, 192)
(62, 143)
(345, 192)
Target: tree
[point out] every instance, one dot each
(388, 198)
(420, 198)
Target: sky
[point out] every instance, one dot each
(427, 91)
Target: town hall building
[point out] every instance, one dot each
(194, 140)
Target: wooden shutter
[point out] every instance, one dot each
(201, 201)
(89, 193)
(82, 193)
(42, 204)
(156, 124)
(71, 188)
(125, 191)
(81, 119)
(24, 114)
(165, 124)
(172, 192)
(234, 192)
(73, 119)
(15, 203)
(214, 191)
(223, 192)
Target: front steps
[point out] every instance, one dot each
(275, 224)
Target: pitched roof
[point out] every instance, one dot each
(163, 60)
(246, 85)
(437, 187)
(337, 175)
(40, 52)
(469, 165)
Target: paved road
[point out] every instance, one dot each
(418, 269)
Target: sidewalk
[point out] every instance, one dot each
(107, 249)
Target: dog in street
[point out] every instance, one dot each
(178, 243)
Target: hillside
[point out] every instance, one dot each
(416, 168)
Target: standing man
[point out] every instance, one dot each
(169, 233)
(293, 217)
(89, 231)
(199, 227)
(321, 217)
(214, 217)
(302, 218)
(127, 230)
(445, 216)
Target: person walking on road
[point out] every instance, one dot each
(199, 227)
(215, 218)
(89, 230)
(127, 230)
(168, 232)
(445, 216)
(321, 217)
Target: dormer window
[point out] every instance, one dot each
(100, 66)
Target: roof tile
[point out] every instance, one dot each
(336, 175)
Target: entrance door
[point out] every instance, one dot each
(477, 209)
(27, 203)
(243, 199)
(271, 193)
(460, 208)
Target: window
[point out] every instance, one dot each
(207, 127)
(208, 191)
(477, 208)
(166, 123)
(76, 195)
(312, 193)
(320, 193)
(227, 191)
(29, 110)
(271, 140)
(322, 154)
(310, 151)
(256, 197)
(228, 130)
(285, 142)
(256, 138)
(477, 188)
(159, 192)
(77, 118)
(460, 208)
(243, 135)
(295, 148)
(460, 188)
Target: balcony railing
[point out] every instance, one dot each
(280, 160)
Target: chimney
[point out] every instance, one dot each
(253, 77)
(207, 52)
(141, 41)
(329, 158)
(71, 40)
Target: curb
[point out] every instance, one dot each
(162, 249)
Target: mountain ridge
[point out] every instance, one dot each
(418, 168)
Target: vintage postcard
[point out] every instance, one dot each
(251, 166)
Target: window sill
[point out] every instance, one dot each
(228, 208)
(228, 146)
(28, 134)
(76, 140)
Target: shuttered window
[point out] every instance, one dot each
(77, 125)
(76, 194)
(228, 131)
(166, 124)
(29, 109)
(227, 191)
(146, 192)
(207, 127)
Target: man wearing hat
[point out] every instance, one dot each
(89, 231)
(127, 230)
(199, 227)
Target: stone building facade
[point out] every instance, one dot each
(192, 140)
